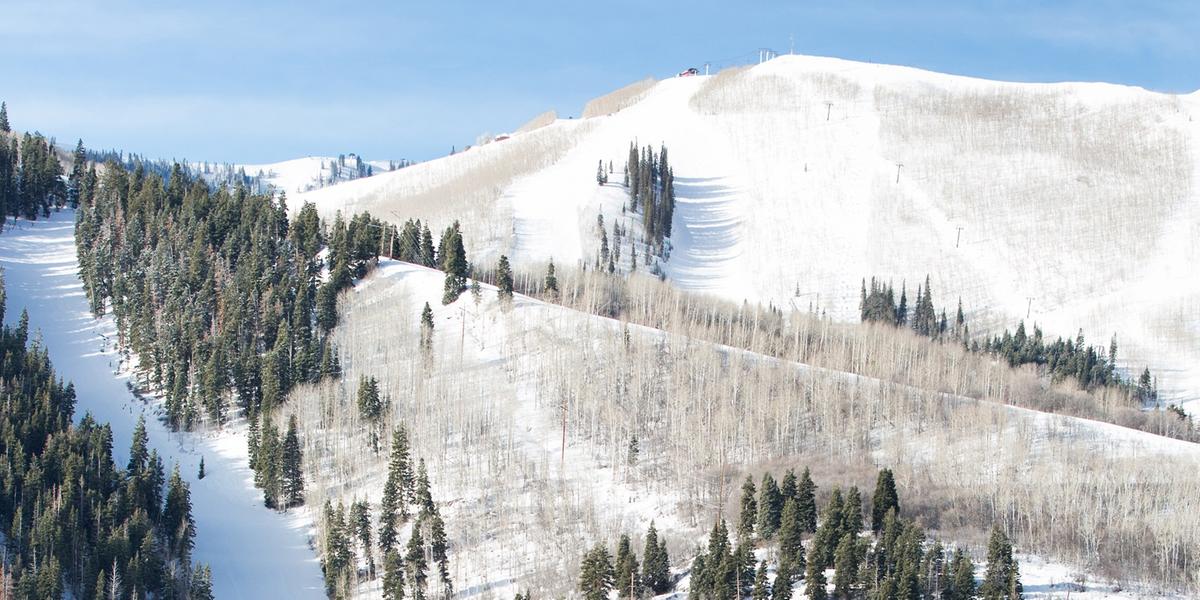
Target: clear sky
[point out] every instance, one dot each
(267, 80)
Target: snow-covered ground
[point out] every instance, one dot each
(254, 552)
(300, 175)
(1074, 203)
(520, 507)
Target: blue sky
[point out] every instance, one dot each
(269, 80)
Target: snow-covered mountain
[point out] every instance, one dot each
(1072, 204)
(299, 174)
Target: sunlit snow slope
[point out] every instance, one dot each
(254, 552)
(1074, 204)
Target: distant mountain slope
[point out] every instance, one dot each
(1074, 204)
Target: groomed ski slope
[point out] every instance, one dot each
(254, 552)
(1074, 204)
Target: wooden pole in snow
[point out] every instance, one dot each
(898, 167)
(959, 237)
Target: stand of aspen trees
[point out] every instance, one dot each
(525, 413)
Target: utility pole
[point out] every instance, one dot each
(828, 109)
(959, 238)
(898, 167)
(1028, 306)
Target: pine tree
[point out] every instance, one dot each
(551, 280)
(781, 588)
(177, 519)
(601, 177)
(884, 500)
(814, 578)
(806, 502)
(656, 565)
(761, 591)
(454, 263)
(201, 583)
(360, 524)
(596, 574)
(201, 473)
(397, 491)
(852, 514)
(626, 570)
(138, 448)
(370, 405)
(1001, 580)
(845, 564)
(504, 279)
(790, 535)
(4, 126)
(787, 486)
(415, 565)
(393, 576)
(749, 510)
(293, 477)
(426, 328)
(770, 507)
(963, 587)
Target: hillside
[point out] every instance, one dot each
(1072, 203)
(527, 488)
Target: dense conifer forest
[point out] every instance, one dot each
(74, 522)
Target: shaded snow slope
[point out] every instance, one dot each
(254, 552)
(1074, 203)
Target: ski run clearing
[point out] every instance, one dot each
(254, 552)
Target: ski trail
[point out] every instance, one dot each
(254, 552)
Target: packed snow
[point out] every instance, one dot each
(254, 552)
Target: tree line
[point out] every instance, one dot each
(31, 176)
(1090, 366)
(74, 523)
(880, 556)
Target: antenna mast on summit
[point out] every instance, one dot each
(791, 44)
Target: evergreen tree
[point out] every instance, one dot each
(415, 564)
(551, 281)
(426, 328)
(852, 514)
(749, 510)
(627, 570)
(830, 530)
(4, 126)
(504, 279)
(761, 591)
(454, 263)
(596, 574)
(963, 586)
(770, 507)
(397, 491)
(884, 500)
(787, 486)
(201, 584)
(656, 571)
(781, 588)
(806, 502)
(292, 476)
(360, 525)
(177, 519)
(814, 578)
(845, 564)
(1001, 581)
(790, 535)
(370, 404)
(201, 473)
(393, 576)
